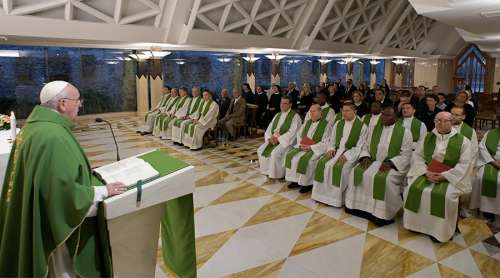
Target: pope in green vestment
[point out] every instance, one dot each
(47, 195)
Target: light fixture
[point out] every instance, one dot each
(341, 62)
(399, 61)
(349, 60)
(112, 62)
(139, 56)
(324, 60)
(9, 53)
(294, 61)
(124, 58)
(180, 62)
(374, 62)
(160, 54)
(276, 57)
(251, 59)
(224, 59)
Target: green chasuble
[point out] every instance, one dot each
(337, 118)
(366, 119)
(324, 112)
(352, 140)
(194, 103)
(379, 181)
(162, 103)
(438, 193)
(160, 120)
(306, 157)
(202, 110)
(285, 126)
(46, 195)
(415, 128)
(490, 172)
(466, 130)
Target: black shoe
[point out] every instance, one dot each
(380, 222)
(138, 131)
(306, 188)
(293, 185)
(145, 133)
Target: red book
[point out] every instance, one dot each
(306, 141)
(437, 167)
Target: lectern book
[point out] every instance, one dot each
(129, 171)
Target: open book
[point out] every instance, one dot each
(129, 171)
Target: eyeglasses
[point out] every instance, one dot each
(437, 121)
(80, 100)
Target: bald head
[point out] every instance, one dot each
(315, 112)
(444, 122)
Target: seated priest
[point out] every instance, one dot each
(463, 128)
(327, 113)
(415, 126)
(375, 184)
(279, 138)
(372, 118)
(165, 112)
(179, 124)
(48, 208)
(202, 120)
(344, 146)
(437, 178)
(300, 162)
(235, 115)
(486, 186)
(150, 117)
(179, 112)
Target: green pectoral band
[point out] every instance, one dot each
(268, 150)
(319, 174)
(178, 122)
(358, 174)
(438, 196)
(289, 156)
(379, 184)
(337, 173)
(490, 183)
(285, 126)
(303, 162)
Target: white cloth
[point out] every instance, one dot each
(459, 184)
(484, 203)
(151, 116)
(324, 191)
(318, 149)
(423, 131)
(180, 112)
(330, 117)
(274, 166)
(360, 197)
(61, 263)
(206, 122)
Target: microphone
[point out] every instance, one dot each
(100, 120)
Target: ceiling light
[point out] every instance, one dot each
(490, 14)
(324, 60)
(224, 59)
(342, 62)
(139, 56)
(9, 53)
(275, 57)
(374, 62)
(111, 62)
(161, 54)
(348, 60)
(180, 62)
(251, 59)
(399, 61)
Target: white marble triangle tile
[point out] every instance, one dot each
(227, 216)
(256, 245)
(291, 195)
(309, 203)
(340, 259)
(261, 179)
(275, 188)
(357, 222)
(431, 271)
(293, 270)
(422, 246)
(332, 212)
(459, 239)
(387, 232)
(479, 247)
(463, 262)
(204, 195)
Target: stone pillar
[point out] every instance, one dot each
(275, 72)
(373, 77)
(251, 72)
(323, 69)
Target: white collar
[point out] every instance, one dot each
(445, 136)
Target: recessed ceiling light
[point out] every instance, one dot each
(490, 14)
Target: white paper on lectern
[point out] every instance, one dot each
(128, 171)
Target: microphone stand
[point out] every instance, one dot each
(100, 120)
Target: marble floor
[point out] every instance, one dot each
(248, 226)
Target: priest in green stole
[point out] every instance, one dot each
(192, 112)
(466, 130)
(486, 187)
(437, 178)
(300, 162)
(48, 206)
(279, 138)
(151, 116)
(332, 172)
(376, 182)
(166, 111)
(203, 120)
(414, 125)
(180, 111)
(373, 117)
(327, 113)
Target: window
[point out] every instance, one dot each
(471, 68)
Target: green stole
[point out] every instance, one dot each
(466, 131)
(304, 160)
(163, 100)
(285, 126)
(179, 105)
(490, 172)
(352, 140)
(438, 193)
(193, 106)
(204, 110)
(366, 119)
(324, 112)
(160, 120)
(337, 118)
(415, 129)
(379, 180)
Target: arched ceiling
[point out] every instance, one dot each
(319, 27)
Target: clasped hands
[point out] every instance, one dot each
(434, 177)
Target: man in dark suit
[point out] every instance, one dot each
(235, 115)
(224, 102)
(293, 93)
(349, 89)
(380, 97)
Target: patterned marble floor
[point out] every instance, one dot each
(248, 226)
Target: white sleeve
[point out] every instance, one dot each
(459, 176)
(353, 153)
(320, 147)
(484, 157)
(100, 193)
